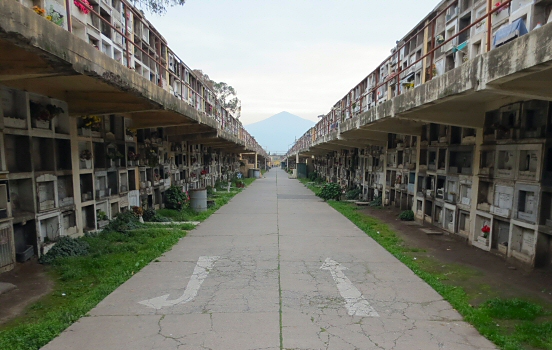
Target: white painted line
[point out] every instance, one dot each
(355, 302)
(202, 269)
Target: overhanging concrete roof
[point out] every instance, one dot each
(519, 70)
(40, 57)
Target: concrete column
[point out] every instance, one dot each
(75, 167)
(295, 173)
(384, 185)
(475, 183)
(418, 151)
(256, 160)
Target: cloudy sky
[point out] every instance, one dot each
(299, 56)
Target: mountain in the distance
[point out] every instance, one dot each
(277, 132)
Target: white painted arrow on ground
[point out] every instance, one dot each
(202, 269)
(355, 302)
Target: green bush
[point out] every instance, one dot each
(64, 248)
(407, 215)
(313, 176)
(150, 215)
(376, 202)
(353, 194)
(330, 191)
(124, 222)
(210, 191)
(175, 198)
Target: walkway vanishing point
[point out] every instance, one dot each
(276, 268)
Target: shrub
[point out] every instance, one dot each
(210, 190)
(64, 248)
(150, 215)
(175, 198)
(124, 222)
(407, 215)
(376, 202)
(313, 176)
(330, 191)
(353, 194)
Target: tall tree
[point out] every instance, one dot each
(204, 78)
(228, 98)
(157, 6)
(225, 93)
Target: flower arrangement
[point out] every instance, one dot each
(86, 155)
(486, 230)
(498, 4)
(153, 157)
(138, 211)
(92, 122)
(133, 156)
(44, 113)
(83, 6)
(102, 216)
(131, 132)
(54, 16)
(114, 154)
(39, 11)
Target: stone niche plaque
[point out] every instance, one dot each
(528, 164)
(503, 200)
(527, 202)
(506, 162)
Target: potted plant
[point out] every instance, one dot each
(102, 218)
(484, 238)
(153, 157)
(86, 159)
(130, 134)
(138, 211)
(91, 126)
(114, 157)
(42, 115)
(111, 157)
(90, 123)
(132, 157)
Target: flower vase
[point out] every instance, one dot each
(85, 132)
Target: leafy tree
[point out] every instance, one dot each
(157, 6)
(225, 93)
(204, 78)
(227, 96)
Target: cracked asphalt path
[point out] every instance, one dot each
(267, 290)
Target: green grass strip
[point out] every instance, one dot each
(82, 282)
(510, 324)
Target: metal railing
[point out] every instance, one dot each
(190, 87)
(377, 84)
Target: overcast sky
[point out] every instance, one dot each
(299, 56)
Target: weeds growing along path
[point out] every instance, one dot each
(511, 323)
(81, 282)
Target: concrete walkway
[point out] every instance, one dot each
(276, 268)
